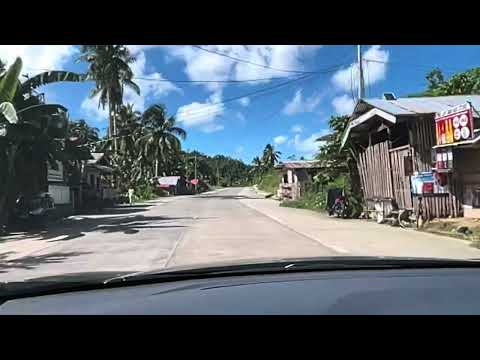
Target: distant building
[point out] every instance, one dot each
(59, 190)
(175, 185)
(95, 184)
(296, 175)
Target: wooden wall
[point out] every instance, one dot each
(375, 171)
(422, 139)
(382, 175)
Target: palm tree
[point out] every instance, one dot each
(85, 133)
(160, 136)
(270, 156)
(109, 66)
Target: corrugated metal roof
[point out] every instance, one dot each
(422, 105)
(300, 164)
(168, 180)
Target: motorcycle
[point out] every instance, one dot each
(33, 211)
(338, 204)
(340, 207)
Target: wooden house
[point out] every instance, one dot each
(398, 143)
(296, 176)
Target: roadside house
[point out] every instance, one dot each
(175, 185)
(296, 176)
(95, 182)
(59, 190)
(417, 149)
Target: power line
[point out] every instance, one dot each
(250, 94)
(419, 66)
(250, 62)
(184, 81)
(255, 93)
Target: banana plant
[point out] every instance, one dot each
(29, 138)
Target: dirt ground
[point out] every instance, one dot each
(468, 229)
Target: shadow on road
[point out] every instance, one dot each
(32, 261)
(78, 226)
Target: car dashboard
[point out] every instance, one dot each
(370, 292)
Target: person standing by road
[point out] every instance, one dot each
(130, 195)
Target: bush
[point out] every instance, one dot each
(269, 182)
(312, 200)
(145, 192)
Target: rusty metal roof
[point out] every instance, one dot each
(421, 105)
(299, 164)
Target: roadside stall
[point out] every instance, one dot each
(418, 155)
(456, 156)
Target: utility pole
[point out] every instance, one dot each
(361, 84)
(196, 173)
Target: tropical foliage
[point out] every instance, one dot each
(31, 135)
(464, 83)
(109, 66)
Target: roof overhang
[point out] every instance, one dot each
(364, 118)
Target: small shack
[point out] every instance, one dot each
(94, 187)
(419, 149)
(296, 176)
(175, 185)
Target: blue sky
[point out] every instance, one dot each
(291, 117)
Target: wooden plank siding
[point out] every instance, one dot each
(382, 171)
(375, 171)
(422, 139)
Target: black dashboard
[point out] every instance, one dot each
(405, 291)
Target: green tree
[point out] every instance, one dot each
(29, 138)
(109, 66)
(270, 156)
(339, 164)
(464, 83)
(160, 138)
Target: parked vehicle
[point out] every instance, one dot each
(337, 203)
(33, 211)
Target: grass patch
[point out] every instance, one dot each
(311, 200)
(460, 228)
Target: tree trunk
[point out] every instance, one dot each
(5, 195)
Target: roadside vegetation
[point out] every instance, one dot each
(138, 146)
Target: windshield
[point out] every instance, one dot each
(124, 159)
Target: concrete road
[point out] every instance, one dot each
(200, 229)
(226, 225)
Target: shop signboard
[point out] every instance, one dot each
(455, 124)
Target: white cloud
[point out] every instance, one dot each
(281, 139)
(201, 65)
(38, 58)
(300, 105)
(296, 128)
(202, 115)
(343, 104)
(90, 108)
(347, 79)
(244, 101)
(307, 147)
